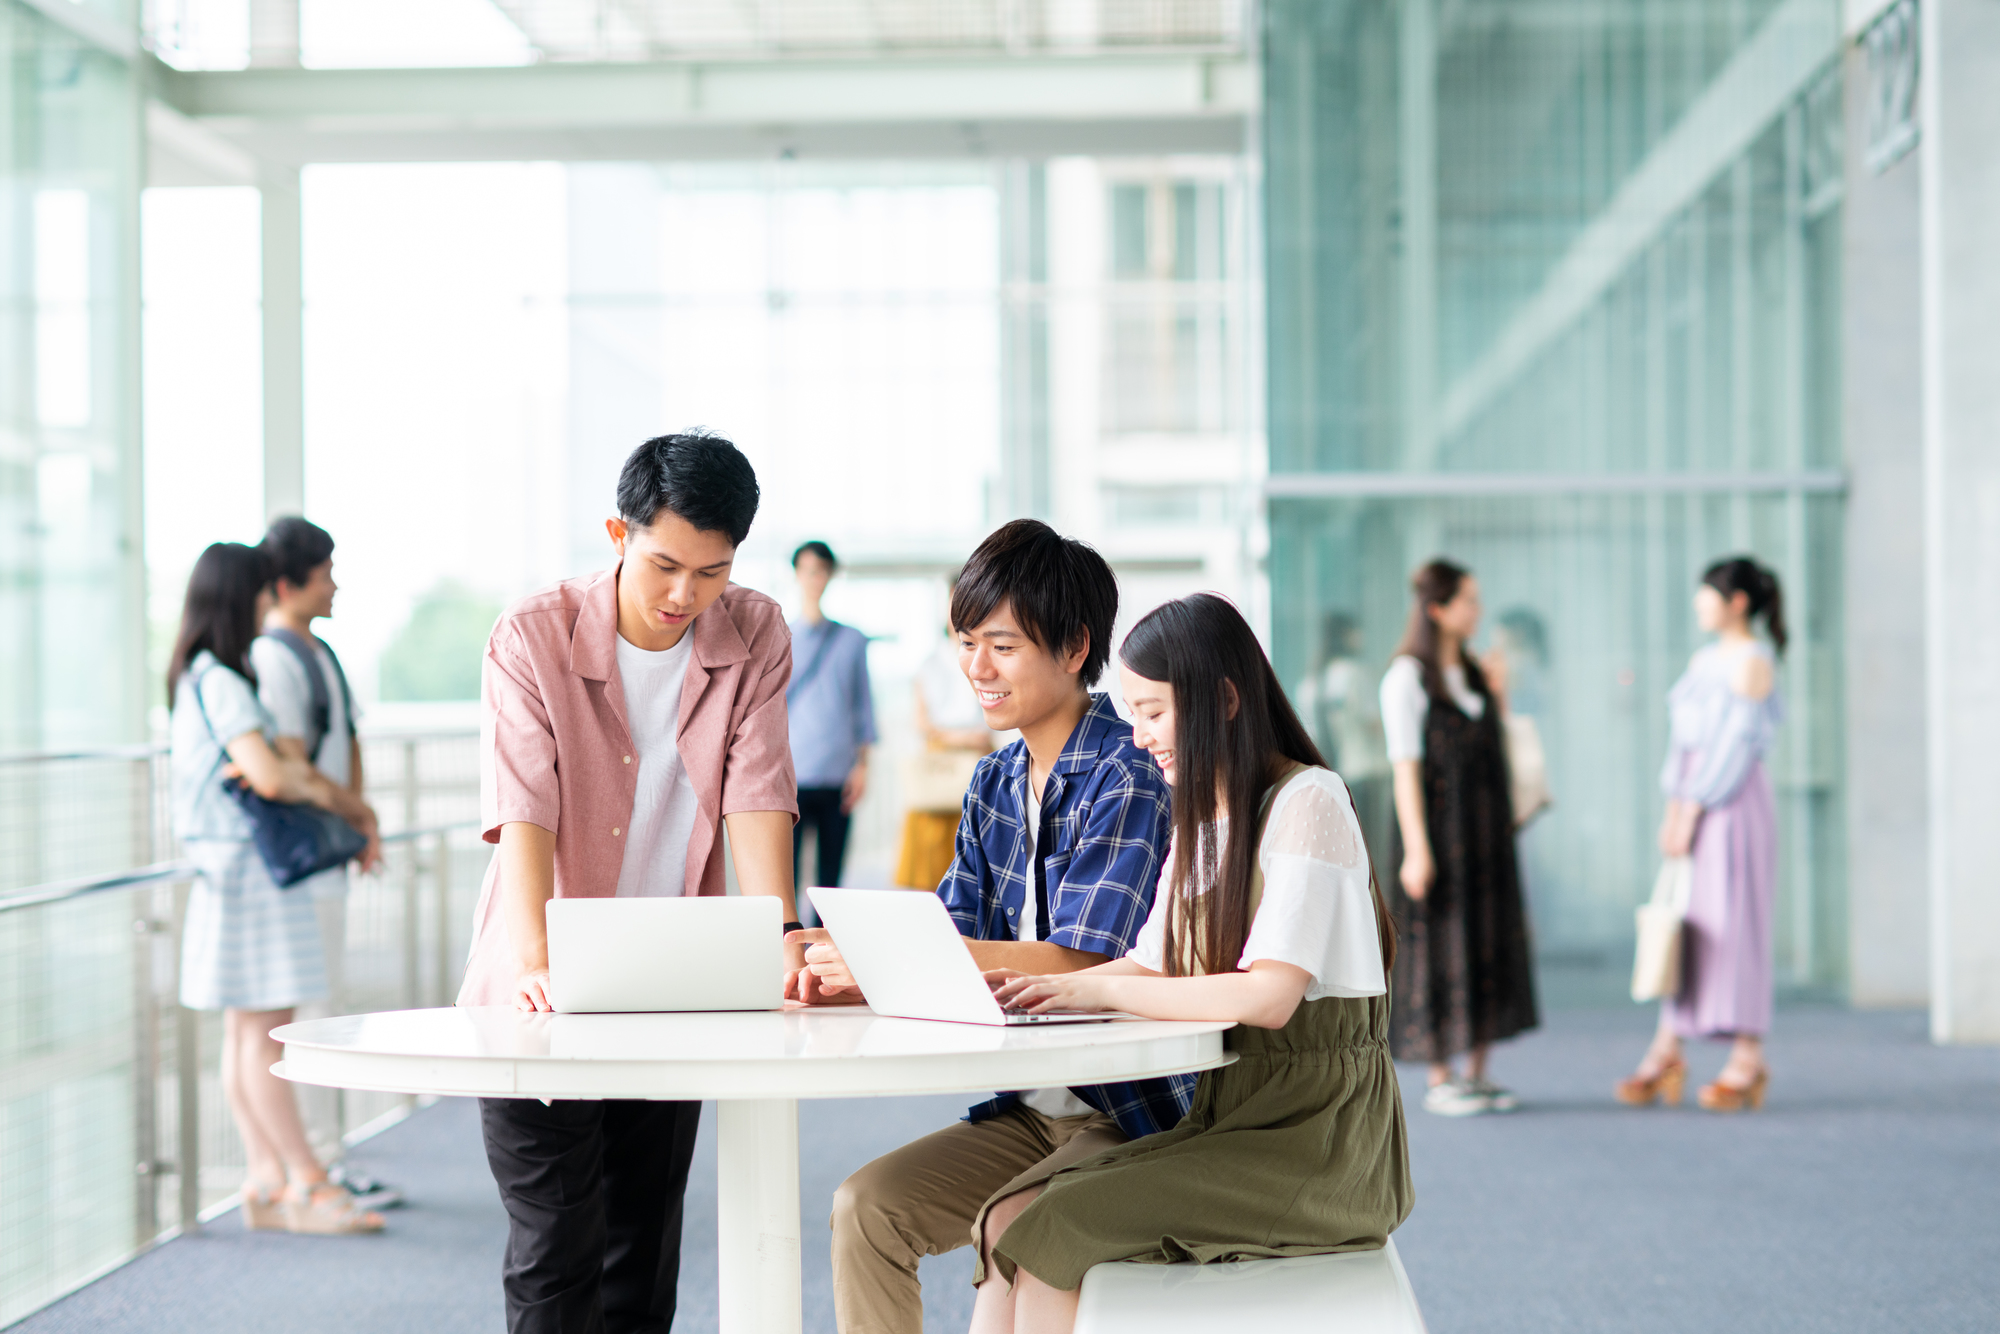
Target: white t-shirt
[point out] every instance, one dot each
(1316, 913)
(282, 687)
(1055, 1102)
(1405, 706)
(664, 805)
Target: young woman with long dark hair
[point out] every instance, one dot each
(1725, 711)
(1267, 915)
(249, 948)
(1467, 979)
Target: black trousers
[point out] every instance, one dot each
(819, 809)
(593, 1196)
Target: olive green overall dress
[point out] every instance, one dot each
(1299, 1148)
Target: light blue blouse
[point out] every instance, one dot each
(212, 707)
(1724, 731)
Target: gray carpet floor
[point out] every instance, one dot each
(1865, 1197)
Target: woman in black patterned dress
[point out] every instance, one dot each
(1466, 979)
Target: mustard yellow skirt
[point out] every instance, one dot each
(930, 841)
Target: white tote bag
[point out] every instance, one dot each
(1656, 964)
(1527, 768)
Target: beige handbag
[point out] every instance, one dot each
(935, 780)
(1656, 963)
(1527, 768)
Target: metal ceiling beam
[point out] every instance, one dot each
(863, 108)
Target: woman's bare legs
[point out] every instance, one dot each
(1041, 1309)
(1665, 1049)
(262, 1162)
(1440, 1073)
(1475, 1064)
(994, 1309)
(266, 1111)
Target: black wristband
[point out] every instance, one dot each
(790, 927)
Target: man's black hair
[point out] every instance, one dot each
(817, 548)
(1062, 592)
(294, 548)
(700, 477)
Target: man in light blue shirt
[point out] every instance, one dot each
(832, 718)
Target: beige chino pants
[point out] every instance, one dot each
(922, 1199)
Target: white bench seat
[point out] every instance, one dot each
(1358, 1292)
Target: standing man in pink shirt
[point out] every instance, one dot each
(628, 716)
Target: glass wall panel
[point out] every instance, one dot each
(1552, 292)
(70, 647)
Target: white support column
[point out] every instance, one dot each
(1960, 117)
(757, 1217)
(284, 345)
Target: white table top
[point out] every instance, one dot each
(829, 1052)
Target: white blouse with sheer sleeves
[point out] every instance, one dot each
(1317, 912)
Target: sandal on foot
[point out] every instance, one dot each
(263, 1207)
(327, 1210)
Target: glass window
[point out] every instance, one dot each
(1561, 314)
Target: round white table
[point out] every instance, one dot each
(755, 1066)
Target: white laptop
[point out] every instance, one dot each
(911, 962)
(666, 954)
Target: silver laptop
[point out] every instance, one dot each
(911, 962)
(666, 954)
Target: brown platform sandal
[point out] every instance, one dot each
(1665, 1087)
(263, 1207)
(1721, 1097)
(327, 1210)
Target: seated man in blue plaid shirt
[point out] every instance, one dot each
(1059, 849)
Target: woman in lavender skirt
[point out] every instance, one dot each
(1725, 710)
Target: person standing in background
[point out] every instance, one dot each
(248, 947)
(1724, 713)
(1466, 979)
(300, 681)
(832, 718)
(952, 727)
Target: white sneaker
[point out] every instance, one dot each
(1452, 1098)
(1497, 1098)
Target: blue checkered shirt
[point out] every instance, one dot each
(1108, 814)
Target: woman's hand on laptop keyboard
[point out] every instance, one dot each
(1081, 993)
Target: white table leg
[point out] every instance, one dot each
(757, 1216)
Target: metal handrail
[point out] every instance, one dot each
(146, 750)
(56, 891)
(140, 751)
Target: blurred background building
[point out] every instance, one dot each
(1273, 299)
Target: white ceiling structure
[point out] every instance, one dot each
(661, 80)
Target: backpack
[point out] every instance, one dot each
(321, 720)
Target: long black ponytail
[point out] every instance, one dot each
(1759, 586)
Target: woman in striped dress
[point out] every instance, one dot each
(248, 948)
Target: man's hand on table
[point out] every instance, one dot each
(531, 991)
(825, 979)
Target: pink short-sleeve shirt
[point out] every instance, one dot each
(557, 751)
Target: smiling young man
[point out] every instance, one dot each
(629, 716)
(1059, 851)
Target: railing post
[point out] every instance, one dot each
(145, 1074)
(187, 1080)
(145, 1017)
(441, 878)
